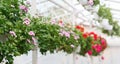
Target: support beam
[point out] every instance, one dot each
(34, 51)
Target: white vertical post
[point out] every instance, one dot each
(74, 58)
(34, 51)
(34, 55)
(33, 9)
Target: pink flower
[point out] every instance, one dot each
(24, 8)
(61, 23)
(53, 22)
(28, 2)
(34, 41)
(76, 37)
(26, 21)
(31, 33)
(72, 45)
(89, 52)
(65, 33)
(97, 47)
(90, 2)
(13, 33)
(103, 41)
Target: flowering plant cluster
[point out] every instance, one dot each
(15, 29)
(91, 43)
(19, 33)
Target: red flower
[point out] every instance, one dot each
(85, 35)
(93, 35)
(60, 21)
(80, 28)
(89, 52)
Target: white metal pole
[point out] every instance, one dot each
(74, 58)
(34, 51)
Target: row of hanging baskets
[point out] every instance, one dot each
(20, 33)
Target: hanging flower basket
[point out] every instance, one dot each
(21, 32)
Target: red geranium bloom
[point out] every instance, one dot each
(93, 35)
(89, 52)
(60, 22)
(97, 47)
(80, 28)
(85, 35)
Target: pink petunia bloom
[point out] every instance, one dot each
(76, 37)
(24, 8)
(31, 33)
(53, 22)
(61, 23)
(90, 2)
(89, 52)
(64, 33)
(28, 3)
(67, 34)
(72, 45)
(13, 33)
(34, 41)
(26, 21)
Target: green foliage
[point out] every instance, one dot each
(50, 37)
(11, 20)
(96, 2)
(104, 12)
(85, 45)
